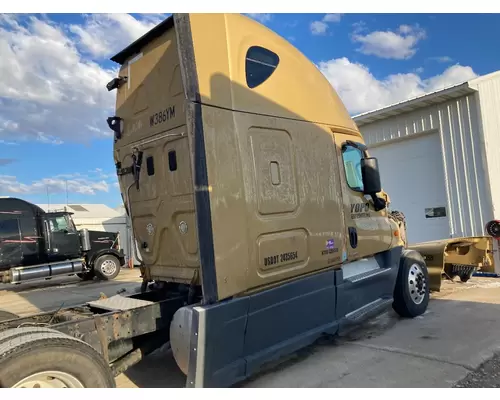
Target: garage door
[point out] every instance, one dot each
(413, 176)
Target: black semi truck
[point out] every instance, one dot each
(36, 245)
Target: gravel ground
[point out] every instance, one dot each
(487, 375)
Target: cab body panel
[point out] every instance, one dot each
(242, 184)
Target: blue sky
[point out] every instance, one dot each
(53, 71)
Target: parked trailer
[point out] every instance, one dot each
(458, 257)
(259, 214)
(463, 257)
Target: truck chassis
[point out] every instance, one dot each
(118, 330)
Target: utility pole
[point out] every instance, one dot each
(66, 191)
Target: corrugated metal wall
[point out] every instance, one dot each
(469, 204)
(489, 101)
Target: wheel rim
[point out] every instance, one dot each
(108, 267)
(49, 379)
(417, 284)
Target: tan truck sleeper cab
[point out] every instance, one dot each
(251, 188)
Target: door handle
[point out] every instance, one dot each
(353, 237)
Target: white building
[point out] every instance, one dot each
(135, 256)
(96, 217)
(439, 158)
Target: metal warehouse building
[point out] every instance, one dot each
(439, 158)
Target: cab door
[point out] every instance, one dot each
(368, 231)
(64, 241)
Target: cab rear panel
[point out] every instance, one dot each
(153, 106)
(254, 155)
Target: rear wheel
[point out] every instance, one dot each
(411, 293)
(467, 274)
(107, 267)
(44, 358)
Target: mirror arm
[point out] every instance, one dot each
(378, 203)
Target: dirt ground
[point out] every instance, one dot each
(30, 298)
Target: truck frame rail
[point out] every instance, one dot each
(122, 329)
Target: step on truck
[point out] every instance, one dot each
(39, 245)
(258, 212)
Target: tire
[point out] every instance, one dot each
(5, 315)
(411, 296)
(107, 267)
(465, 276)
(86, 276)
(70, 362)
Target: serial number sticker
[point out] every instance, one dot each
(329, 251)
(162, 116)
(280, 258)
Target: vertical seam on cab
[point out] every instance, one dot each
(201, 186)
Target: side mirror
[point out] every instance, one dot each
(370, 175)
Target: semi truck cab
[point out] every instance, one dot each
(247, 181)
(35, 244)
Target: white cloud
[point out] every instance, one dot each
(51, 90)
(76, 183)
(42, 137)
(399, 45)
(103, 35)
(7, 143)
(262, 18)
(332, 17)
(321, 27)
(98, 173)
(361, 91)
(359, 27)
(442, 59)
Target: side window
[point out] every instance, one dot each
(71, 225)
(59, 224)
(352, 166)
(260, 64)
(150, 164)
(9, 229)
